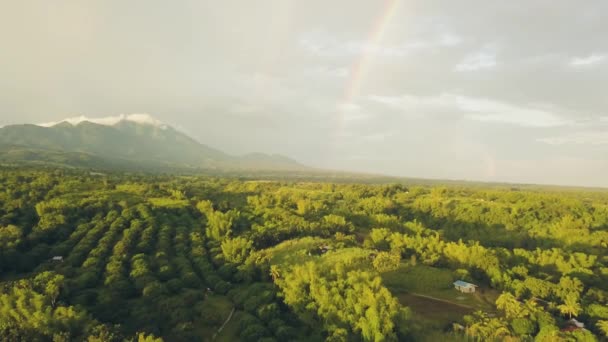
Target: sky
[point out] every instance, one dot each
(508, 91)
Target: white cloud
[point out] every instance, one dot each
(417, 106)
(351, 112)
(578, 138)
(324, 71)
(325, 45)
(477, 61)
(494, 111)
(349, 107)
(472, 108)
(587, 61)
(449, 39)
(111, 120)
(378, 136)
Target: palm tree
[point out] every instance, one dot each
(603, 326)
(570, 306)
(274, 272)
(484, 328)
(510, 305)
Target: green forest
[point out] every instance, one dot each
(115, 256)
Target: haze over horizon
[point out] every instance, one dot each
(509, 92)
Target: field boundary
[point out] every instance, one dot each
(225, 322)
(442, 300)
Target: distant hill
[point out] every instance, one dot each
(124, 143)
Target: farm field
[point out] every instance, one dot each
(123, 257)
(423, 281)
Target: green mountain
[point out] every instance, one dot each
(124, 144)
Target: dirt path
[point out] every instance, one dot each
(443, 301)
(223, 325)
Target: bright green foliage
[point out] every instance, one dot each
(219, 224)
(603, 327)
(571, 306)
(142, 337)
(236, 250)
(346, 301)
(30, 314)
(205, 207)
(173, 255)
(522, 326)
(485, 328)
(511, 306)
(49, 284)
(387, 261)
(10, 236)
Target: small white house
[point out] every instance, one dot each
(576, 323)
(464, 287)
(58, 258)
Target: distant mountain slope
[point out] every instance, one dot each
(123, 142)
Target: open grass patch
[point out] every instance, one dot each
(165, 202)
(215, 310)
(437, 283)
(293, 251)
(231, 330)
(418, 279)
(430, 294)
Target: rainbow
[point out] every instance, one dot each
(360, 68)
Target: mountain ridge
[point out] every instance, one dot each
(125, 139)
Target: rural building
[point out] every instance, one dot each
(576, 323)
(58, 258)
(324, 249)
(573, 325)
(464, 287)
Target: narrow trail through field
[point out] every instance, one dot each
(442, 300)
(223, 325)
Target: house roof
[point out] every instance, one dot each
(463, 283)
(576, 323)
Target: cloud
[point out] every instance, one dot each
(111, 120)
(483, 59)
(443, 75)
(377, 137)
(592, 59)
(331, 72)
(323, 44)
(351, 112)
(494, 111)
(472, 108)
(349, 107)
(449, 39)
(578, 138)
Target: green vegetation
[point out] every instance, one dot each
(132, 257)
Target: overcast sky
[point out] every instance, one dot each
(480, 90)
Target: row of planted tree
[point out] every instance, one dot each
(138, 256)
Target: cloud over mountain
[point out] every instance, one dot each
(111, 120)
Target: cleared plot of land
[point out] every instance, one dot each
(437, 283)
(435, 304)
(230, 331)
(432, 309)
(217, 309)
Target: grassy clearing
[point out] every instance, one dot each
(220, 306)
(437, 283)
(293, 251)
(418, 279)
(435, 304)
(165, 202)
(231, 330)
